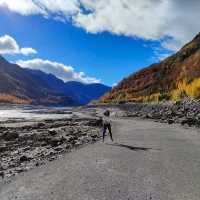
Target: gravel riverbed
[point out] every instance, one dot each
(25, 145)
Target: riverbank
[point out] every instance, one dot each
(29, 142)
(25, 143)
(184, 112)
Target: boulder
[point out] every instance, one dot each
(170, 121)
(2, 174)
(24, 158)
(52, 132)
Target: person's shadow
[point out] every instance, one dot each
(133, 148)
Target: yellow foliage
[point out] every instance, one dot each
(151, 98)
(186, 89)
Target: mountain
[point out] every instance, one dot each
(20, 85)
(176, 77)
(84, 93)
(81, 93)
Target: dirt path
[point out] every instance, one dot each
(148, 161)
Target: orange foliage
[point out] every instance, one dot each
(7, 98)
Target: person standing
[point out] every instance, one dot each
(107, 124)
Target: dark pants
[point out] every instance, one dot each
(105, 127)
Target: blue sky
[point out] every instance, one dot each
(103, 54)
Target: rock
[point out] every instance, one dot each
(50, 153)
(78, 143)
(2, 174)
(68, 146)
(188, 121)
(19, 169)
(94, 136)
(54, 142)
(59, 148)
(184, 112)
(52, 158)
(52, 132)
(3, 148)
(69, 138)
(29, 146)
(41, 124)
(170, 121)
(95, 122)
(24, 158)
(8, 136)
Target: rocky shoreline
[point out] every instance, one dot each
(184, 112)
(32, 144)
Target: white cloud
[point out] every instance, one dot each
(24, 7)
(66, 73)
(44, 7)
(172, 44)
(27, 51)
(147, 19)
(114, 84)
(159, 56)
(8, 45)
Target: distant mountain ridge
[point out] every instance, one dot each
(85, 92)
(22, 85)
(176, 77)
